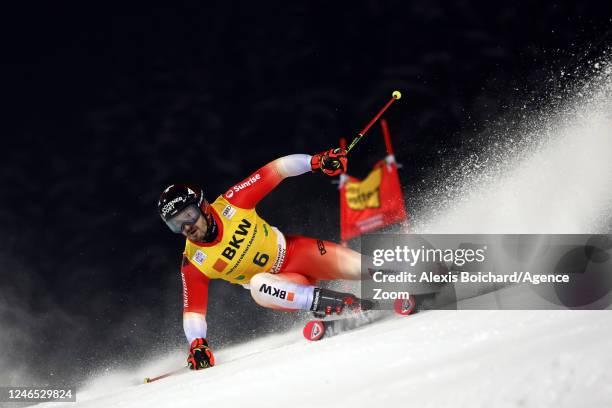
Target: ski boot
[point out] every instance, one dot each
(327, 302)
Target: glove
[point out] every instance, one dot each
(200, 355)
(331, 162)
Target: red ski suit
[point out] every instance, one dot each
(299, 260)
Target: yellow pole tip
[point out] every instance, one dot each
(396, 94)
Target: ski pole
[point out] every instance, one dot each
(394, 96)
(159, 377)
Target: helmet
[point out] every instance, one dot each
(181, 204)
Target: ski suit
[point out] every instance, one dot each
(280, 270)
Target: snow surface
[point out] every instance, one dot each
(432, 359)
(555, 358)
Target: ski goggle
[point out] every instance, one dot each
(187, 216)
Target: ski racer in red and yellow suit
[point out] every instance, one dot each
(280, 270)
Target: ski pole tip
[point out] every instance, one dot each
(396, 94)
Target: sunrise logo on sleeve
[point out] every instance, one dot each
(247, 183)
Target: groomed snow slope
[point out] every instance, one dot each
(432, 359)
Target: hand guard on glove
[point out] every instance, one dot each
(331, 162)
(200, 355)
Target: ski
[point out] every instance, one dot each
(318, 329)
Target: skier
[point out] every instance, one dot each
(228, 240)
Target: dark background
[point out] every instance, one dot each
(104, 106)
